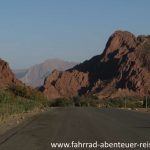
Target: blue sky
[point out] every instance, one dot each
(32, 31)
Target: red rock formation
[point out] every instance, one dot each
(69, 83)
(7, 77)
(123, 66)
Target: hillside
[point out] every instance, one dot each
(35, 75)
(122, 69)
(15, 97)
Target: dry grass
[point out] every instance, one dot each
(12, 103)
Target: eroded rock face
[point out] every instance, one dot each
(123, 66)
(120, 40)
(68, 83)
(7, 77)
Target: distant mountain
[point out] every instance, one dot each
(20, 73)
(35, 75)
(123, 69)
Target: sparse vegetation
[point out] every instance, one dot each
(125, 102)
(19, 100)
(27, 92)
(78, 101)
(93, 101)
(61, 102)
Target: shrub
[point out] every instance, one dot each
(27, 92)
(61, 102)
(122, 102)
(78, 101)
(91, 100)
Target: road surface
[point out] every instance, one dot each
(78, 124)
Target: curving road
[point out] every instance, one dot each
(78, 124)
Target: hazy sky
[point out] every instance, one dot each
(32, 31)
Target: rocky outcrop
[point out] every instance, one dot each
(129, 72)
(123, 66)
(64, 84)
(7, 78)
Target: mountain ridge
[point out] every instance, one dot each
(119, 70)
(36, 74)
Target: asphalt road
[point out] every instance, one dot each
(78, 124)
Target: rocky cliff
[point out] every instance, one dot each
(122, 69)
(7, 78)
